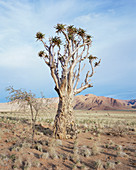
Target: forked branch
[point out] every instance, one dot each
(63, 57)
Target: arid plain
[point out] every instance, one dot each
(106, 136)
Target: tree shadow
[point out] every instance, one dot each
(70, 142)
(67, 166)
(45, 131)
(132, 163)
(53, 166)
(66, 150)
(91, 164)
(37, 155)
(109, 154)
(129, 149)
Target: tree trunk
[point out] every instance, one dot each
(64, 124)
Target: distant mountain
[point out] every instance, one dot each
(89, 102)
(93, 102)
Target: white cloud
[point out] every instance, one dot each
(18, 57)
(124, 95)
(111, 23)
(114, 39)
(19, 23)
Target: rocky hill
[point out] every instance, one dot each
(87, 102)
(93, 102)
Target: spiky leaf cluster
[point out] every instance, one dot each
(56, 41)
(39, 35)
(81, 32)
(92, 57)
(60, 28)
(71, 31)
(41, 53)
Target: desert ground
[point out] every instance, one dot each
(106, 140)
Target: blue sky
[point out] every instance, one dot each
(111, 23)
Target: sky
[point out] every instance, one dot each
(112, 23)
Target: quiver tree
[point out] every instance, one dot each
(65, 55)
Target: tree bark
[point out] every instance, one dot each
(64, 124)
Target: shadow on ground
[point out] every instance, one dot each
(45, 131)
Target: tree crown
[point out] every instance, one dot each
(65, 54)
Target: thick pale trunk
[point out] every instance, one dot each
(64, 124)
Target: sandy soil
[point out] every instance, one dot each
(106, 140)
